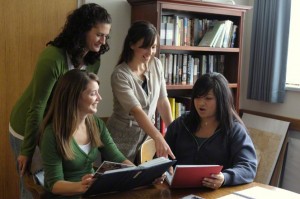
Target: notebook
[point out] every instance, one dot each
(186, 176)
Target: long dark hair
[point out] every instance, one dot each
(138, 30)
(225, 113)
(73, 36)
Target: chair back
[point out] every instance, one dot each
(37, 191)
(147, 151)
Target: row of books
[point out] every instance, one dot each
(183, 31)
(186, 69)
(179, 106)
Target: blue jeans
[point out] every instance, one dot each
(15, 144)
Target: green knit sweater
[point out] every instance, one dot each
(29, 110)
(56, 168)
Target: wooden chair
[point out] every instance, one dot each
(37, 191)
(147, 151)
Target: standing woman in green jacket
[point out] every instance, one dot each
(79, 46)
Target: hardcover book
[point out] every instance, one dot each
(107, 167)
(186, 176)
(126, 178)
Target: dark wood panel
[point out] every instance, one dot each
(25, 28)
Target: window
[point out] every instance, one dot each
(293, 62)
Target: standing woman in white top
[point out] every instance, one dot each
(139, 89)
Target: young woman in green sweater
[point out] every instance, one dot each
(72, 136)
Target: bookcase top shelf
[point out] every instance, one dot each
(197, 48)
(193, 2)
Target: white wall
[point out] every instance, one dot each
(120, 11)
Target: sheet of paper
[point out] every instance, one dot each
(262, 193)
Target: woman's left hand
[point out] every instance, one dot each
(86, 181)
(214, 182)
(160, 180)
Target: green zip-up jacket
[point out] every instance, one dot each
(29, 110)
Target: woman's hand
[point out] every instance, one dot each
(214, 182)
(23, 163)
(86, 181)
(161, 179)
(162, 148)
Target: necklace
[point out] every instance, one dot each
(204, 124)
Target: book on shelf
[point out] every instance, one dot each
(175, 69)
(162, 34)
(184, 69)
(212, 34)
(228, 29)
(126, 178)
(172, 105)
(196, 71)
(170, 68)
(186, 176)
(185, 101)
(219, 42)
(177, 109)
(157, 120)
(190, 70)
(163, 128)
(233, 36)
(169, 33)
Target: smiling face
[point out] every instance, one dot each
(97, 36)
(143, 54)
(206, 105)
(89, 99)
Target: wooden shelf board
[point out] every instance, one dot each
(197, 48)
(190, 86)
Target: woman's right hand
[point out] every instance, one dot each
(23, 163)
(162, 148)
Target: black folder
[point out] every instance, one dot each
(129, 178)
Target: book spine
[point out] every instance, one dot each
(184, 68)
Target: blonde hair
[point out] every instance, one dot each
(63, 111)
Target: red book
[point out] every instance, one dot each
(162, 127)
(191, 175)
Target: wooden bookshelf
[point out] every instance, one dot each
(153, 10)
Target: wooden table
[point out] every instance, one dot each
(164, 192)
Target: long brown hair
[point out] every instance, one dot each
(63, 111)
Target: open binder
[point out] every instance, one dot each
(129, 178)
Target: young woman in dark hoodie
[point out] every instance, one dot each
(213, 133)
